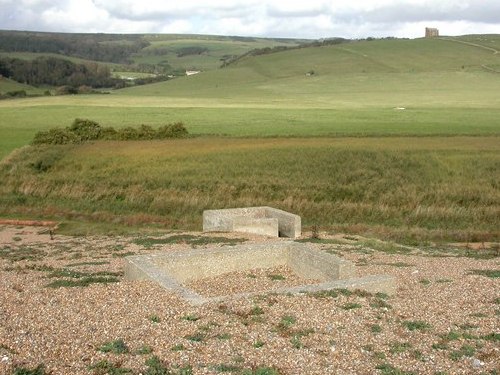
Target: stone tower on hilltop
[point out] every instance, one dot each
(431, 32)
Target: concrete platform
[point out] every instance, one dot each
(173, 269)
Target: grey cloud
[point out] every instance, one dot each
(486, 12)
(127, 11)
(277, 12)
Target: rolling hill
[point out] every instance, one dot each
(443, 71)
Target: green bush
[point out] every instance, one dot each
(86, 130)
(82, 130)
(55, 136)
(146, 132)
(127, 134)
(176, 130)
(108, 133)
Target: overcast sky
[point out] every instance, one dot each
(268, 18)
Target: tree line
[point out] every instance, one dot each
(98, 47)
(56, 72)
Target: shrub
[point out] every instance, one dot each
(146, 132)
(55, 136)
(86, 130)
(127, 134)
(16, 94)
(66, 90)
(176, 130)
(108, 133)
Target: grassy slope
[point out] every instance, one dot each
(7, 85)
(218, 47)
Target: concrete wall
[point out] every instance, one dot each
(252, 220)
(313, 264)
(195, 264)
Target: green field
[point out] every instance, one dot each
(399, 138)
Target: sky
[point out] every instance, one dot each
(308, 19)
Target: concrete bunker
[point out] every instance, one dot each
(173, 270)
(263, 220)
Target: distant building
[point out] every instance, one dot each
(431, 32)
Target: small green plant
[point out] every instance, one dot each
(156, 367)
(441, 281)
(177, 348)
(493, 274)
(38, 370)
(425, 281)
(465, 351)
(261, 371)
(145, 349)
(256, 310)
(379, 303)
(376, 328)
(224, 336)
(479, 315)
(387, 369)
(296, 342)
(442, 345)
(190, 318)
(115, 347)
(495, 337)
(276, 276)
(86, 281)
(451, 336)
(154, 318)
(197, 337)
(399, 347)
(287, 321)
(226, 368)
(258, 344)
(351, 306)
(105, 367)
(416, 325)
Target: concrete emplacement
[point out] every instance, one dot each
(266, 221)
(173, 269)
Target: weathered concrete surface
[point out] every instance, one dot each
(252, 220)
(172, 269)
(261, 226)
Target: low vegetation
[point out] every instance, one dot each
(82, 130)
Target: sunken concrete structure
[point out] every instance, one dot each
(266, 221)
(174, 269)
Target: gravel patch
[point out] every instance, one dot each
(249, 281)
(444, 317)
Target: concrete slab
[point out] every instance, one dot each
(172, 270)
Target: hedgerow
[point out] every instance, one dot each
(82, 130)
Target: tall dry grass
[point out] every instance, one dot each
(409, 188)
